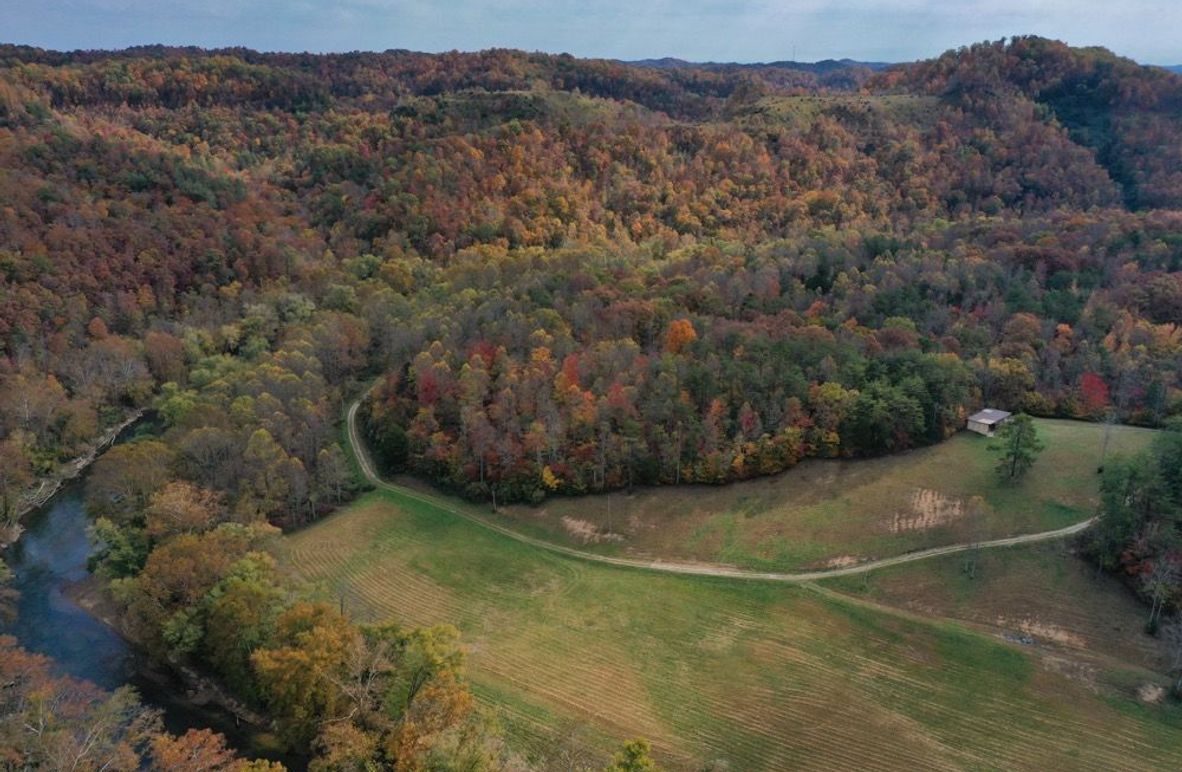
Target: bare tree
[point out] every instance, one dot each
(1109, 420)
(1171, 634)
(1158, 584)
(15, 475)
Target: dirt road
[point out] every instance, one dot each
(693, 569)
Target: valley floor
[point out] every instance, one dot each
(866, 672)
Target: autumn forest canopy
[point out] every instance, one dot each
(565, 276)
(578, 275)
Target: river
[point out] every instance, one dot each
(50, 559)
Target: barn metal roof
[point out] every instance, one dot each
(990, 416)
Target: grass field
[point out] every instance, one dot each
(742, 675)
(833, 512)
(1043, 592)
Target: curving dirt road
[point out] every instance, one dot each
(694, 569)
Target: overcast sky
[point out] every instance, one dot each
(740, 30)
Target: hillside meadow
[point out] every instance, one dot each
(826, 513)
(717, 673)
(1043, 594)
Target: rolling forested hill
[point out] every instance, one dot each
(615, 273)
(569, 275)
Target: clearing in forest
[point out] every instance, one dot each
(824, 511)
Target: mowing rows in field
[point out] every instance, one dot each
(1042, 590)
(761, 677)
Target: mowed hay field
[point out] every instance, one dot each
(742, 674)
(1043, 593)
(826, 513)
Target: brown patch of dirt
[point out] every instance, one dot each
(842, 561)
(1045, 631)
(929, 509)
(587, 532)
(9, 534)
(636, 523)
(1151, 694)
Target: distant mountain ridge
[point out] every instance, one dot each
(1173, 68)
(822, 67)
(1110, 109)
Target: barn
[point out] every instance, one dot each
(987, 421)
